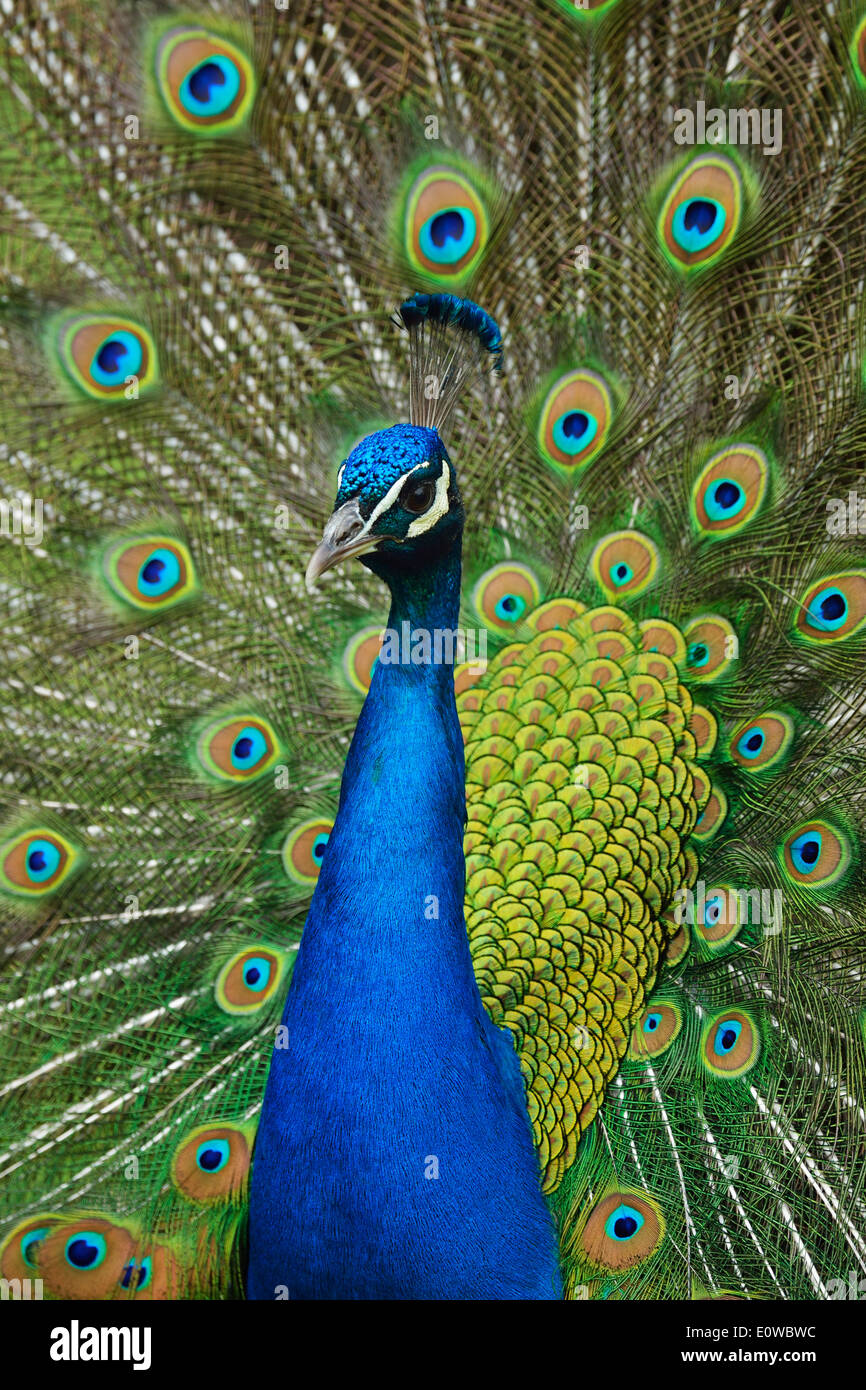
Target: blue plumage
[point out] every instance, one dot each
(394, 1156)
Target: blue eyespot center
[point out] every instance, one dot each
(249, 748)
(697, 223)
(727, 1034)
(204, 78)
(712, 911)
(43, 860)
(574, 431)
(750, 743)
(624, 1222)
(318, 850)
(211, 87)
(621, 573)
(137, 1276)
(120, 356)
(448, 235)
(700, 214)
(806, 851)
(159, 573)
(510, 607)
(828, 610)
(724, 499)
(257, 973)
(652, 1022)
(698, 654)
(86, 1250)
(212, 1155)
(30, 1244)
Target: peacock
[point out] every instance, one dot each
(434, 608)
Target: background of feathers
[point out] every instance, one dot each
(112, 1044)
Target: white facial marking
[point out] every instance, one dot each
(391, 495)
(438, 507)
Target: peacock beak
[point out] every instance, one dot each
(345, 535)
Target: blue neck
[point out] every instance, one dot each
(396, 849)
(394, 1157)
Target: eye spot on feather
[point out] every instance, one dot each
(249, 980)
(21, 1248)
(206, 83)
(575, 420)
(815, 854)
(731, 1044)
(360, 657)
(445, 226)
(711, 646)
(85, 1258)
(105, 356)
(304, 851)
(701, 213)
(720, 920)
(655, 1030)
(137, 1275)
(625, 563)
(212, 1163)
(729, 490)
(833, 608)
(151, 573)
(762, 742)
(622, 1230)
(237, 749)
(156, 1275)
(36, 862)
(505, 594)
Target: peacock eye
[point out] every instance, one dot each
(36, 862)
(104, 354)
(702, 212)
(445, 228)
(834, 607)
(137, 1274)
(238, 748)
(249, 980)
(86, 1250)
(212, 1163)
(417, 497)
(575, 420)
(206, 82)
(149, 572)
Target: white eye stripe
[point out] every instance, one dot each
(391, 495)
(438, 507)
(340, 476)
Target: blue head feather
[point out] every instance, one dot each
(463, 314)
(375, 463)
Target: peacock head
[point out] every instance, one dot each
(397, 504)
